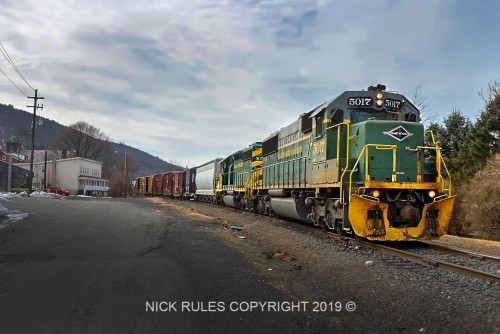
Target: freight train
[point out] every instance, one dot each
(360, 163)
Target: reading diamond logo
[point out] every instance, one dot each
(399, 133)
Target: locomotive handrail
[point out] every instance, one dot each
(346, 158)
(432, 135)
(338, 140)
(439, 161)
(367, 176)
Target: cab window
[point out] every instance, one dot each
(319, 125)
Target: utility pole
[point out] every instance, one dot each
(45, 174)
(125, 183)
(33, 125)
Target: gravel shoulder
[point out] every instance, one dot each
(390, 294)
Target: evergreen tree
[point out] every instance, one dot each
(456, 136)
(483, 139)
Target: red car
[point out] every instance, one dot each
(59, 191)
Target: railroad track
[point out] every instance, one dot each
(446, 265)
(429, 261)
(419, 258)
(412, 256)
(461, 252)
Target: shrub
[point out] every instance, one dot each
(476, 210)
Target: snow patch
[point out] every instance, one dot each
(15, 217)
(36, 194)
(43, 194)
(3, 211)
(9, 195)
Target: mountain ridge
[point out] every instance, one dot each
(18, 122)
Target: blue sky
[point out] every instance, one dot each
(191, 80)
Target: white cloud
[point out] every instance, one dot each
(194, 79)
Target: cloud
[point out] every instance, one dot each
(192, 80)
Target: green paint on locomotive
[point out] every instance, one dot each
(403, 136)
(236, 169)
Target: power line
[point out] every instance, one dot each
(12, 82)
(11, 62)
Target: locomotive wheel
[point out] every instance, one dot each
(322, 224)
(255, 206)
(338, 227)
(260, 208)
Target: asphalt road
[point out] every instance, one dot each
(102, 265)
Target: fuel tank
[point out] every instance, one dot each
(290, 207)
(232, 201)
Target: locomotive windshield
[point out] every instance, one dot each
(364, 115)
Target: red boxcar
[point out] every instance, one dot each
(157, 185)
(167, 183)
(177, 184)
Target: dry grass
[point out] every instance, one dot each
(476, 211)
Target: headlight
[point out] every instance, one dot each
(380, 95)
(380, 103)
(376, 193)
(432, 194)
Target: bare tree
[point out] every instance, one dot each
(84, 140)
(121, 170)
(420, 102)
(492, 92)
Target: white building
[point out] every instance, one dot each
(77, 175)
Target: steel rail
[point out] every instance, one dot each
(413, 257)
(440, 264)
(461, 252)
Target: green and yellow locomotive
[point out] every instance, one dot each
(357, 163)
(236, 180)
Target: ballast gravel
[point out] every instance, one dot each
(390, 295)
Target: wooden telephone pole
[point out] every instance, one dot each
(33, 125)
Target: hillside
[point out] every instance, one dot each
(18, 122)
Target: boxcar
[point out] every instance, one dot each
(177, 178)
(157, 185)
(167, 184)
